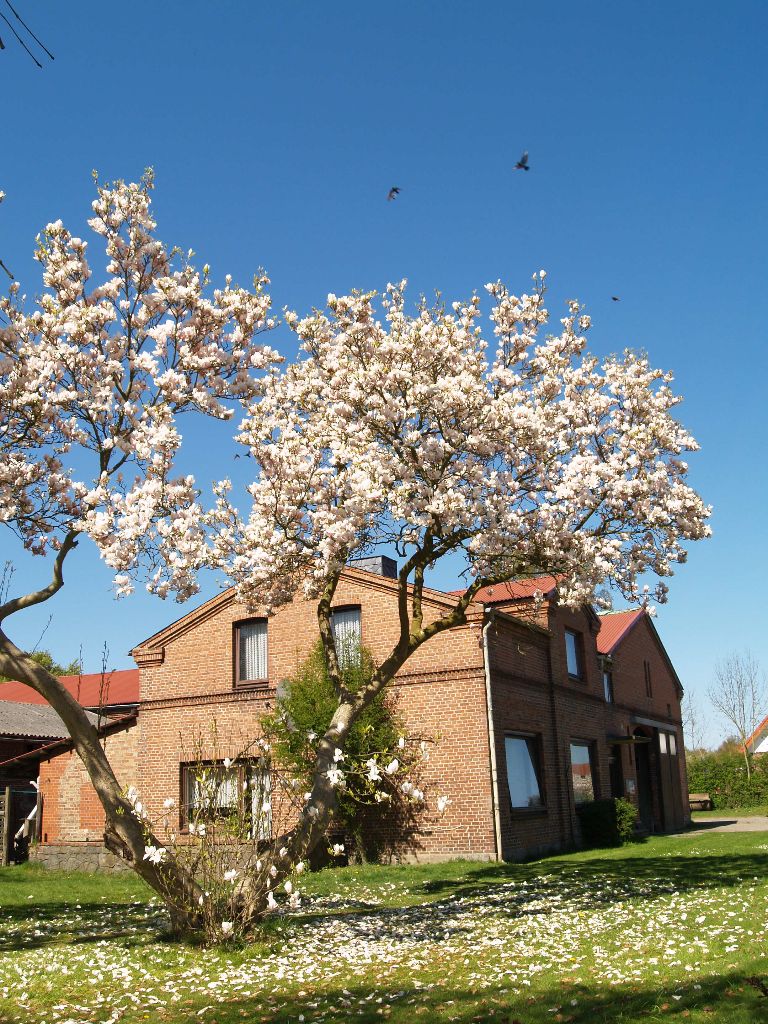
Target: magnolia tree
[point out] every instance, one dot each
(518, 452)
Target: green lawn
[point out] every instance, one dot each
(671, 929)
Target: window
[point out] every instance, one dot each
(608, 686)
(251, 652)
(648, 684)
(524, 771)
(672, 744)
(573, 654)
(238, 793)
(347, 632)
(581, 773)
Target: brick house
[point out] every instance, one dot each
(538, 709)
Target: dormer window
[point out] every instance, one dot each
(573, 654)
(251, 652)
(347, 634)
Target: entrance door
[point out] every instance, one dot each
(644, 798)
(616, 772)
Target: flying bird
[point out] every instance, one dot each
(615, 298)
(393, 192)
(522, 163)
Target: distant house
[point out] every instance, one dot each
(758, 741)
(539, 710)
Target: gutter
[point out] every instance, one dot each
(492, 740)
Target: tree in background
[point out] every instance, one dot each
(694, 725)
(519, 454)
(739, 694)
(49, 663)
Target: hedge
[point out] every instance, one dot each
(724, 777)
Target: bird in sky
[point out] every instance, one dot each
(615, 298)
(393, 192)
(522, 163)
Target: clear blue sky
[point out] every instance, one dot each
(276, 130)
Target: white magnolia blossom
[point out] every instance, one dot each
(335, 776)
(443, 802)
(337, 849)
(169, 803)
(373, 770)
(155, 854)
(271, 901)
(392, 767)
(523, 453)
(102, 371)
(231, 874)
(227, 927)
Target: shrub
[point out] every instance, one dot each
(374, 828)
(723, 775)
(607, 822)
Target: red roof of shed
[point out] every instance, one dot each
(91, 690)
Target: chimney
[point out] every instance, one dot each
(380, 564)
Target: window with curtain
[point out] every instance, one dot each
(581, 772)
(347, 634)
(242, 790)
(524, 771)
(251, 641)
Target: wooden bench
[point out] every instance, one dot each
(700, 801)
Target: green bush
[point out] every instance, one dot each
(607, 822)
(723, 775)
(374, 831)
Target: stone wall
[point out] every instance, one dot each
(76, 857)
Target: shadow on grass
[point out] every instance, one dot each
(678, 871)
(730, 999)
(29, 927)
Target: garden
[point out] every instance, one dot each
(670, 929)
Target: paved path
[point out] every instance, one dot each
(729, 823)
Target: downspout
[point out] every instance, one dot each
(492, 740)
(563, 788)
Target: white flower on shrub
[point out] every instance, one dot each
(299, 867)
(337, 849)
(155, 854)
(373, 770)
(169, 803)
(231, 875)
(338, 755)
(288, 886)
(335, 776)
(227, 927)
(392, 767)
(442, 803)
(271, 902)
(294, 900)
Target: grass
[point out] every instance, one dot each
(732, 812)
(671, 929)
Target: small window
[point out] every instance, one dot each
(663, 747)
(524, 771)
(608, 686)
(573, 654)
(251, 652)
(672, 744)
(347, 634)
(238, 794)
(581, 773)
(648, 683)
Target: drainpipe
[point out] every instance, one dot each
(492, 740)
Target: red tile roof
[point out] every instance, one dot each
(119, 687)
(514, 590)
(614, 626)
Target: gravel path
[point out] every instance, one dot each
(747, 823)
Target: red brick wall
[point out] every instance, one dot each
(441, 693)
(71, 809)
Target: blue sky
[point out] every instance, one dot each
(276, 131)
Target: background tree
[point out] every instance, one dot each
(403, 433)
(49, 663)
(739, 694)
(694, 725)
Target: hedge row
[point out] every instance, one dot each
(724, 777)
